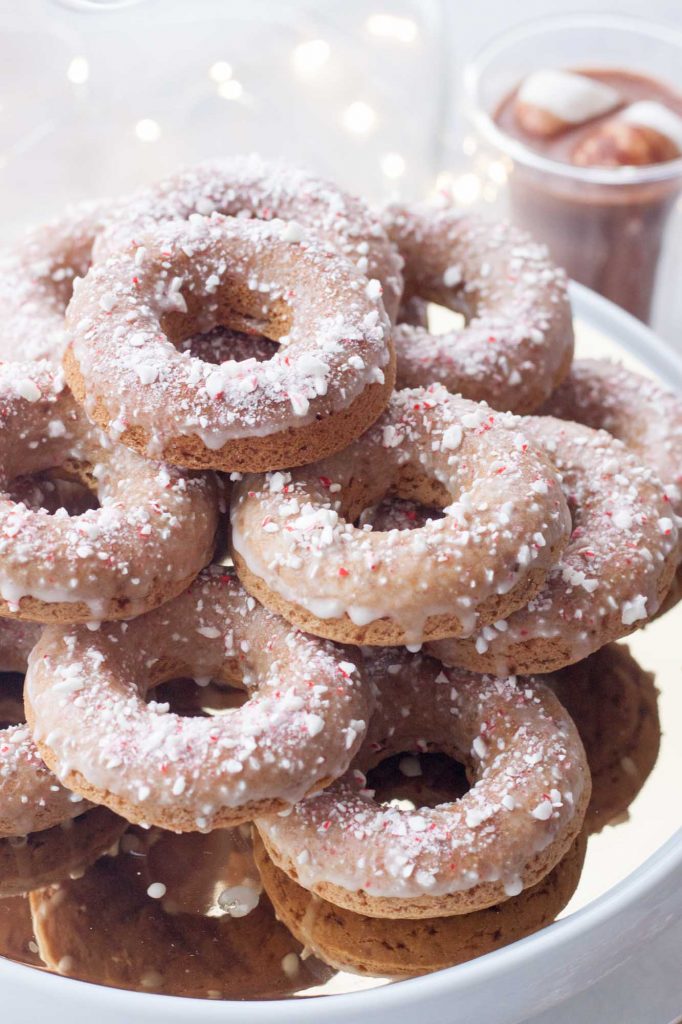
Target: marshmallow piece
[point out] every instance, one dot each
(661, 119)
(566, 96)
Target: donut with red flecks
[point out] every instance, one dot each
(305, 716)
(248, 186)
(36, 282)
(613, 574)
(300, 547)
(153, 531)
(517, 344)
(640, 412)
(329, 379)
(530, 787)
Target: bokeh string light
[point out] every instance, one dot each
(318, 63)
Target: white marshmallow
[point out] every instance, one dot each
(569, 97)
(660, 118)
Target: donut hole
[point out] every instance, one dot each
(431, 316)
(52, 490)
(223, 344)
(408, 496)
(11, 699)
(443, 320)
(394, 513)
(225, 319)
(410, 780)
(193, 699)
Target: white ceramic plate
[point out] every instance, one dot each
(606, 927)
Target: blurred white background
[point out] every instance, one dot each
(99, 96)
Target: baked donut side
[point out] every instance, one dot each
(299, 548)
(86, 700)
(530, 787)
(379, 947)
(103, 927)
(330, 378)
(613, 574)
(517, 344)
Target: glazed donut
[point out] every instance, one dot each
(304, 719)
(530, 786)
(517, 344)
(296, 548)
(154, 531)
(639, 412)
(329, 380)
(42, 858)
(248, 186)
(36, 281)
(106, 928)
(612, 576)
(614, 705)
(407, 949)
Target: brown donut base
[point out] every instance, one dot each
(386, 632)
(407, 949)
(51, 855)
(294, 446)
(540, 655)
(485, 894)
(32, 609)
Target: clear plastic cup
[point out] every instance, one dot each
(605, 225)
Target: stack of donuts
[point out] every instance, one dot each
(232, 452)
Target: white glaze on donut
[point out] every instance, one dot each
(154, 530)
(31, 798)
(305, 717)
(518, 340)
(248, 186)
(504, 516)
(335, 344)
(638, 411)
(612, 575)
(530, 787)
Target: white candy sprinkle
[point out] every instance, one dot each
(452, 276)
(452, 437)
(543, 811)
(633, 610)
(28, 389)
